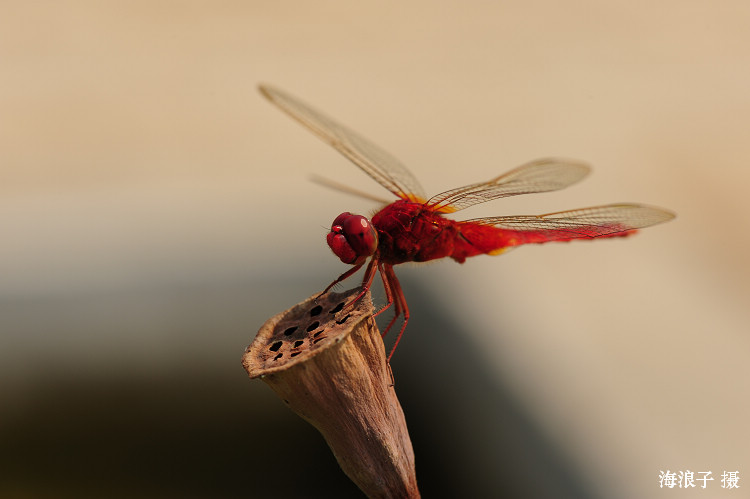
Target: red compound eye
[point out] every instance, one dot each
(352, 238)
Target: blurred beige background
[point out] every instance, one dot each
(136, 155)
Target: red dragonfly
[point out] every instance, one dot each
(413, 229)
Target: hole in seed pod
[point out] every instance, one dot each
(316, 310)
(278, 356)
(318, 339)
(318, 333)
(341, 321)
(337, 308)
(290, 331)
(275, 347)
(294, 354)
(313, 326)
(298, 343)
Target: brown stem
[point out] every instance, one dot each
(328, 365)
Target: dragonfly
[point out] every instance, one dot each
(414, 228)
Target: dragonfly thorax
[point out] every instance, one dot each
(352, 238)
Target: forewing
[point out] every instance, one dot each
(542, 175)
(377, 163)
(598, 221)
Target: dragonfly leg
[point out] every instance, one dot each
(370, 272)
(342, 277)
(400, 301)
(388, 294)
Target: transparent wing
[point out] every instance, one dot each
(542, 175)
(598, 221)
(377, 163)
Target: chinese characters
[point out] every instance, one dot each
(687, 479)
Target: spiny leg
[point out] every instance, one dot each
(342, 277)
(401, 306)
(372, 268)
(370, 272)
(388, 294)
(393, 292)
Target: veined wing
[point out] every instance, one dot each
(598, 221)
(542, 175)
(377, 163)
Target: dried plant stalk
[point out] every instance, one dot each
(328, 365)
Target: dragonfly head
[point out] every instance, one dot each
(352, 238)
